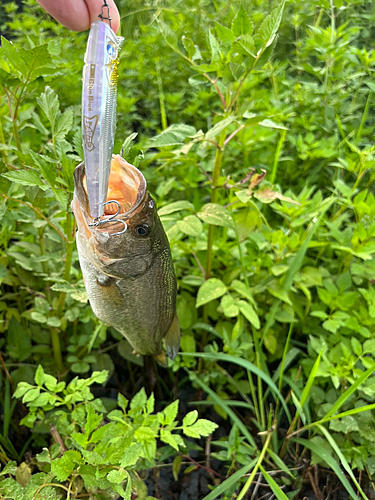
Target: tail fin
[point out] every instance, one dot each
(172, 338)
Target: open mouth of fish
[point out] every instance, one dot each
(126, 186)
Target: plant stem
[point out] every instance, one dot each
(214, 196)
(60, 306)
(255, 470)
(163, 115)
(56, 348)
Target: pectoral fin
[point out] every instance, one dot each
(172, 338)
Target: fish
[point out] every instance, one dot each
(128, 274)
(99, 101)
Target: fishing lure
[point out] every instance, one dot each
(99, 99)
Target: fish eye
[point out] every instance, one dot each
(142, 230)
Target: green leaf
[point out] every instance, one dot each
(215, 49)
(116, 476)
(219, 127)
(217, 215)
(131, 455)
(139, 400)
(93, 420)
(202, 427)
(172, 136)
(63, 124)
(170, 412)
(26, 178)
(49, 103)
(248, 311)
(176, 206)
(10, 468)
(225, 35)
(64, 466)
(172, 439)
(39, 375)
(190, 418)
(270, 25)
(246, 42)
(19, 344)
(145, 434)
(211, 289)
(190, 225)
(241, 24)
(22, 388)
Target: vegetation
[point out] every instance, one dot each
(251, 123)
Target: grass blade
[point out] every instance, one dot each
(277, 491)
(344, 397)
(343, 460)
(224, 405)
(353, 411)
(217, 356)
(230, 481)
(310, 380)
(331, 462)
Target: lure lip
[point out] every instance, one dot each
(82, 197)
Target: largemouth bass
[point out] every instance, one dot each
(129, 277)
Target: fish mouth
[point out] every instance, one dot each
(126, 186)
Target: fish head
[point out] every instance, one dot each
(124, 243)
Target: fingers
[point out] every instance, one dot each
(77, 15)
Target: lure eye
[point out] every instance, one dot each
(142, 230)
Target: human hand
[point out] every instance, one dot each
(77, 15)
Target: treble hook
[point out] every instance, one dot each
(102, 17)
(99, 222)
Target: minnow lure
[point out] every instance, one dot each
(99, 99)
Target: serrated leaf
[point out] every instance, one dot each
(215, 49)
(49, 103)
(170, 412)
(171, 439)
(139, 400)
(211, 289)
(116, 476)
(217, 215)
(241, 24)
(63, 124)
(26, 178)
(225, 35)
(131, 455)
(202, 427)
(219, 127)
(172, 136)
(270, 25)
(64, 466)
(190, 418)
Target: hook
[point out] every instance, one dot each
(98, 221)
(102, 17)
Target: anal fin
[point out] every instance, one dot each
(172, 338)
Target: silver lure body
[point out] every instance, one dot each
(99, 99)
